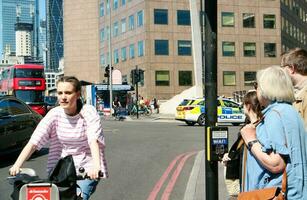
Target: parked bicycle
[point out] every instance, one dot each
(141, 110)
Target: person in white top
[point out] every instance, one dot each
(71, 129)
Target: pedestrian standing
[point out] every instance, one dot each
(294, 63)
(116, 106)
(71, 129)
(156, 105)
(279, 142)
(233, 159)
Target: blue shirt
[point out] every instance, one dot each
(283, 132)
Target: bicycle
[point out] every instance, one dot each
(34, 188)
(142, 110)
(120, 113)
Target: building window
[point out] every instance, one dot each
(249, 78)
(269, 21)
(184, 48)
(183, 17)
(249, 49)
(160, 16)
(123, 2)
(131, 51)
(185, 78)
(115, 29)
(229, 78)
(228, 48)
(140, 18)
(123, 22)
(115, 4)
(108, 32)
(269, 50)
(108, 7)
(228, 19)
(108, 58)
(124, 54)
(161, 47)
(101, 10)
(248, 20)
(102, 59)
(140, 48)
(116, 56)
(162, 78)
(131, 22)
(102, 35)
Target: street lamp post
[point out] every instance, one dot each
(110, 58)
(209, 51)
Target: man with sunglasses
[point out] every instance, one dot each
(294, 62)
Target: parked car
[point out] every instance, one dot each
(181, 108)
(17, 123)
(51, 102)
(228, 111)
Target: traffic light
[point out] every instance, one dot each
(136, 75)
(133, 76)
(107, 71)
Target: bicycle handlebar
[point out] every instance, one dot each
(84, 175)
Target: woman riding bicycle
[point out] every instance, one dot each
(71, 129)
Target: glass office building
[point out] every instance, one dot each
(55, 46)
(27, 13)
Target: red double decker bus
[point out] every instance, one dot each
(26, 82)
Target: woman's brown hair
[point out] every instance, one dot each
(251, 99)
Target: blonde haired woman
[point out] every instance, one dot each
(279, 142)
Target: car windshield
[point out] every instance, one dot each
(51, 100)
(185, 102)
(30, 96)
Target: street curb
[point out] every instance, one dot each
(191, 188)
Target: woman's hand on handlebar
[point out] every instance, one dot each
(14, 170)
(94, 173)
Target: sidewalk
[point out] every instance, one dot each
(152, 117)
(195, 189)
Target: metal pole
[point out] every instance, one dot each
(137, 92)
(110, 58)
(210, 54)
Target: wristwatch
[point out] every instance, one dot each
(250, 144)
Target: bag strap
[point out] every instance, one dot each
(244, 167)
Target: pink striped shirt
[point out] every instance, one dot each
(71, 135)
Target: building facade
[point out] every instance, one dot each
(11, 11)
(81, 41)
(293, 24)
(55, 48)
(156, 37)
(24, 37)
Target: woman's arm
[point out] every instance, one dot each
(272, 161)
(94, 146)
(25, 154)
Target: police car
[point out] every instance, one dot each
(181, 108)
(228, 111)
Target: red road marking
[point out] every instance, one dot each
(156, 189)
(170, 186)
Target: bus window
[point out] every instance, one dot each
(25, 73)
